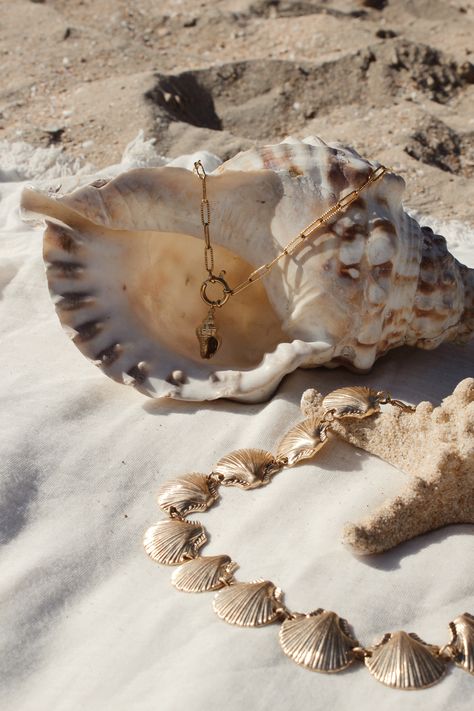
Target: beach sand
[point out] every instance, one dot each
(393, 79)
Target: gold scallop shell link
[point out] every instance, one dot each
(355, 401)
(404, 661)
(188, 493)
(204, 574)
(173, 541)
(248, 604)
(247, 468)
(463, 641)
(302, 442)
(320, 641)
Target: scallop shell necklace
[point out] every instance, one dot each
(320, 641)
(206, 332)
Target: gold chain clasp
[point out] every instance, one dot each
(199, 169)
(225, 289)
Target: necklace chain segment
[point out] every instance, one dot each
(320, 640)
(209, 340)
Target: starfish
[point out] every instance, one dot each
(435, 446)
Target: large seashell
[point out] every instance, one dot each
(355, 401)
(204, 573)
(302, 442)
(320, 641)
(248, 604)
(191, 492)
(404, 661)
(125, 267)
(463, 641)
(173, 541)
(246, 468)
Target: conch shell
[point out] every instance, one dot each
(125, 266)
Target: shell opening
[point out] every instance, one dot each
(152, 285)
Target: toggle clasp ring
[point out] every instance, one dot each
(225, 287)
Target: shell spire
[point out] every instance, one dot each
(443, 307)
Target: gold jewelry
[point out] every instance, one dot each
(208, 338)
(320, 640)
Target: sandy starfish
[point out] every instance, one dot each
(435, 445)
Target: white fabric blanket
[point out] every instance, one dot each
(89, 622)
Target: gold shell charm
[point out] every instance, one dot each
(302, 441)
(463, 641)
(404, 661)
(172, 541)
(320, 641)
(248, 604)
(247, 468)
(209, 341)
(192, 492)
(356, 401)
(203, 574)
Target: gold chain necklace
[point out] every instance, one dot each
(207, 335)
(319, 641)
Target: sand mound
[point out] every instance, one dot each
(393, 79)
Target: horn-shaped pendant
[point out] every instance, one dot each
(209, 341)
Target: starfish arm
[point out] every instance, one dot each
(435, 445)
(423, 507)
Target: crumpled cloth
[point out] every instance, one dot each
(88, 621)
